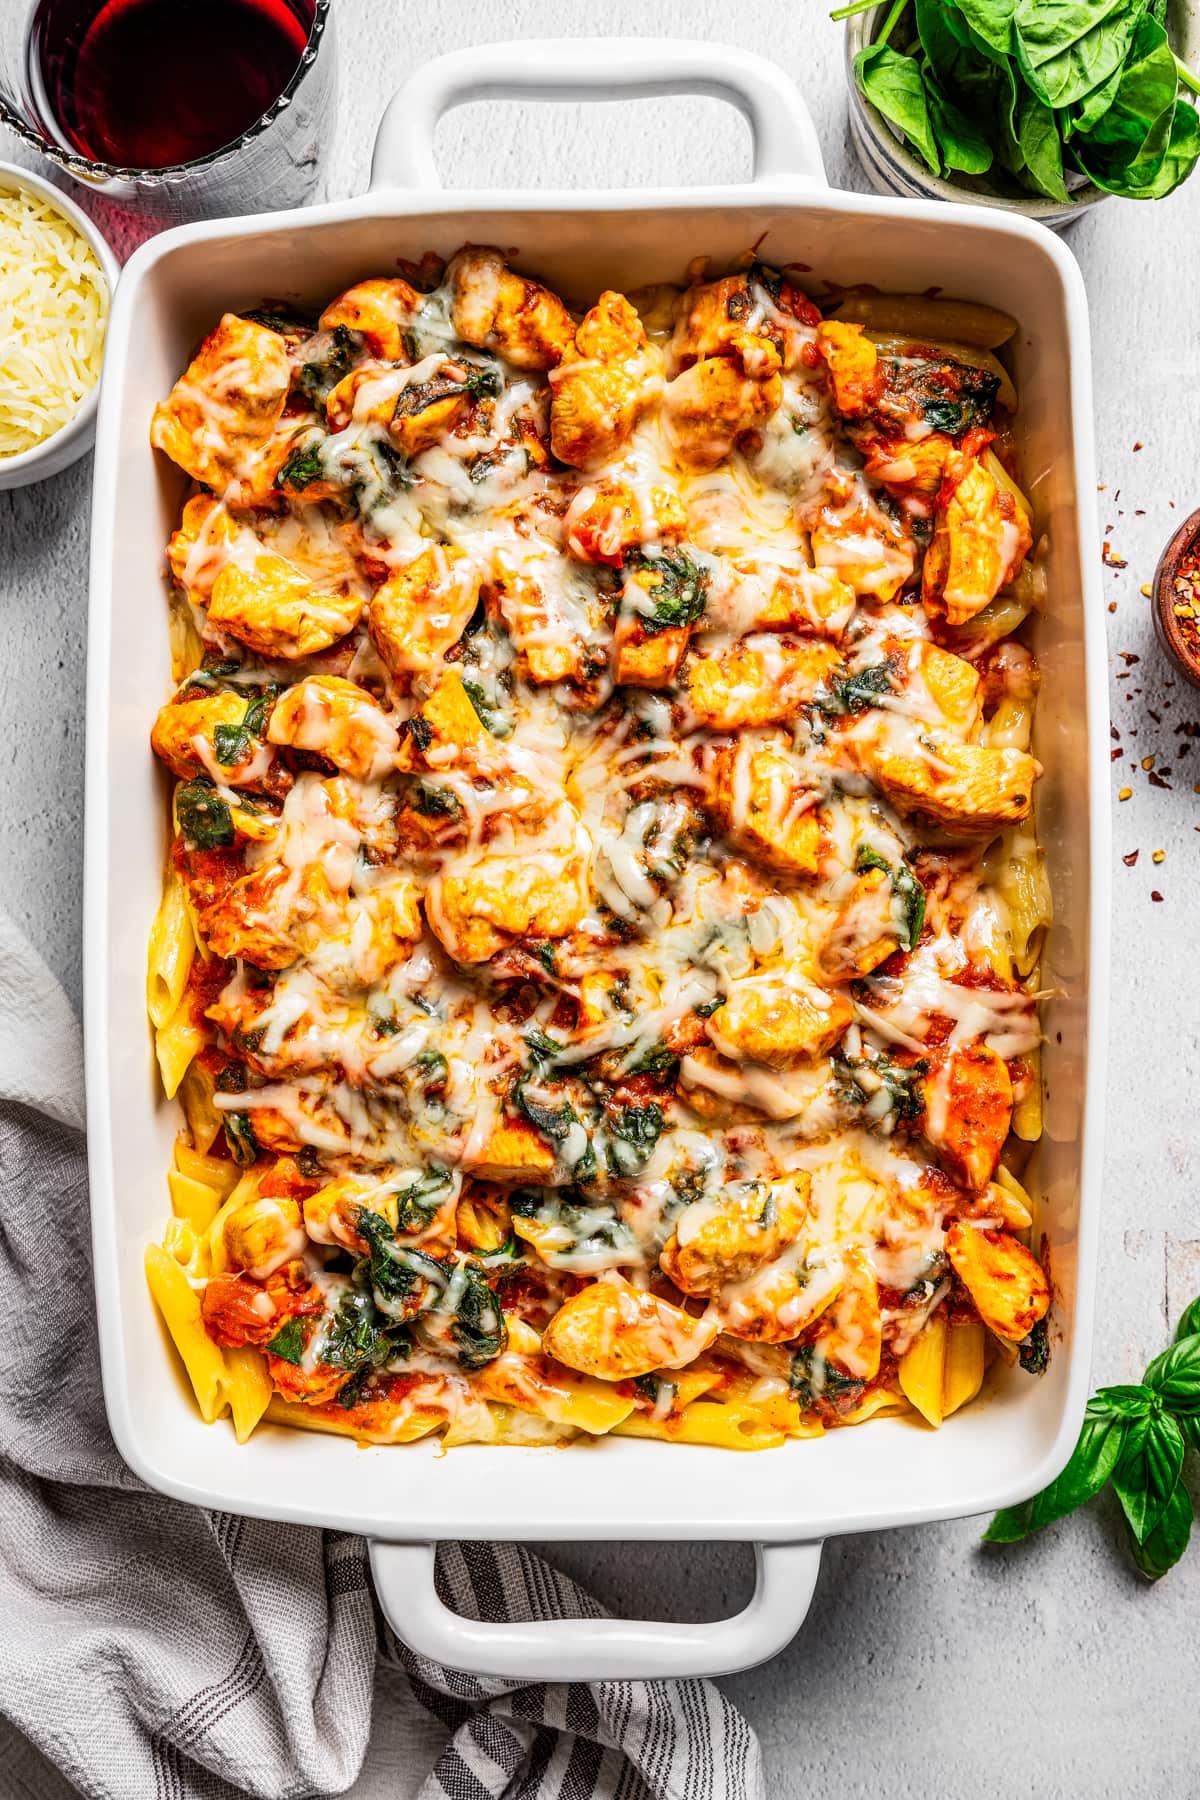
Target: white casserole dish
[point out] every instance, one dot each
(890, 1472)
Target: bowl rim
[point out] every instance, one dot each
(15, 175)
(1169, 634)
(860, 33)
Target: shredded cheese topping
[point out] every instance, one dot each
(53, 307)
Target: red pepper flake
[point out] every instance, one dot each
(1112, 606)
(1139, 512)
(1156, 780)
(1129, 657)
(1113, 561)
(1131, 859)
(1157, 717)
(1154, 894)
(1116, 755)
(1137, 446)
(1114, 733)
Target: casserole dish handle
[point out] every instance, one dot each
(588, 1649)
(785, 140)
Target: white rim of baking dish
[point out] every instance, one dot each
(787, 169)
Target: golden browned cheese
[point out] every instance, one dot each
(496, 309)
(618, 1332)
(757, 686)
(968, 1111)
(967, 788)
(383, 310)
(714, 405)
(421, 611)
(601, 388)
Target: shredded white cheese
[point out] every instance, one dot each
(53, 308)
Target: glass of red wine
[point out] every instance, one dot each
(187, 108)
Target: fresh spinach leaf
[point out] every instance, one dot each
(1060, 70)
(962, 142)
(990, 20)
(893, 85)
(1040, 147)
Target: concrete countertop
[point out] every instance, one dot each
(927, 1665)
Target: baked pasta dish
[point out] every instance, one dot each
(598, 956)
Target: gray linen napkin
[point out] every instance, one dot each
(149, 1648)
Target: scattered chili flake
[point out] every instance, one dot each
(1124, 793)
(1112, 559)
(1185, 589)
(1137, 446)
(1139, 512)
(1129, 657)
(1157, 717)
(1154, 894)
(1112, 606)
(1115, 755)
(1156, 780)
(1131, 859)
(1159, 856)
(1113, 732)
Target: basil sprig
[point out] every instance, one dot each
(1031, 92)
(1134, 1438)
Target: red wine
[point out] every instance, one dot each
(145, 84)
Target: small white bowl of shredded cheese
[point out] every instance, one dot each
(57, 274)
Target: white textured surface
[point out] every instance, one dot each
(927, 1665)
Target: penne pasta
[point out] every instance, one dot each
(919, 315)
(172, 946)
(176, 1045)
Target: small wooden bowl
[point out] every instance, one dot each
(1165, 599)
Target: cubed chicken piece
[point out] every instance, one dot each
(760, 681)
(198, 550)
(749, 315)
(338, 720)
(775, 1303)
(383, 311)
(871, 550)
(806, 600)
(496, 309)
(906, 465)
(422, 610)
(618, 1332)
(851, 1333)
(966, 788)
(446, 731)
(226, 404)
(331, 1214)
(262, 917)
(950, 683)
(865, 931)
(541, 615)
(1006, 1281)
(968, 1111)
(601, 387)
(262, 1235)
(723, 1239)
(416, 414)
(763, 806)
(273, 608)
(182, 725)
(607, 520)
(778, 1021)
(716, 404)
(475, 914)
(981, 537)
(650, 659)
(513, 1151)
(853, 366)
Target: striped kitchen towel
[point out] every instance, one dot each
(151, 1649)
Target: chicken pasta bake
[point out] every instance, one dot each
(598, 954)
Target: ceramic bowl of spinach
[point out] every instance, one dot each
(1042, 106)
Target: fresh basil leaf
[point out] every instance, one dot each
(892, 83)
(204, 818)
(1189, 1321)
(288, 1342)
(1092, 1462)
(1166, 1543)
(1175, 1375)
(1126, 1402)
(1145, 1478)
(1041, 148)
(963, 145)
